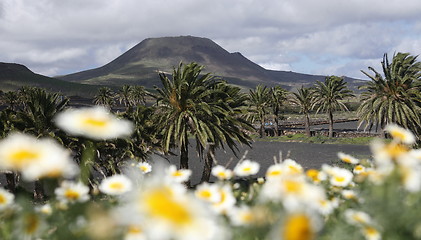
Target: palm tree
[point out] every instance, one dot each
(278, 97)
(228, 127)
(105, 97)
(7, 119)
(259, 100)
(184, 109)
(125, 96)
(37, 117)
(394, 97)
(304, 99)
(328, 96)
(138, 94)
(11, 100)
(41, 108)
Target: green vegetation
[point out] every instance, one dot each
(394, 97)
(304, 99)
(328, 96)
(202, 106)
(363, 199)
(301, 137)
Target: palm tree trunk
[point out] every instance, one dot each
(11, 181)
(262, 127)
(184, 156)
(330, 124)
(208, 164)
(307, 125)
(276, 129)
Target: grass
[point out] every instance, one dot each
(300, 137)
(321, 116)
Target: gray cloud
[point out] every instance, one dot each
(324, 37)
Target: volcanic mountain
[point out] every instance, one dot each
(13, 76)
(140, 65)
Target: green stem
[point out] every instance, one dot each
(88, 159)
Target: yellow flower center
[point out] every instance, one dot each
(359, 168)
(205, 194)
(177, 174)
(398, 135)
(275, 173)
(369, 231)
(71, 194)
(2, 199)
(116, 185)
(162, 204)
(31, 224)
(247, 169)
(247, 217)
(313, 174)
(293, 186)
(22, 157)
(395, 150)
(134, 230)
(298, 227)
(92, 122)
(339, 179)
(346, 159)
(222, 174)
(144, 168)
(359, 218)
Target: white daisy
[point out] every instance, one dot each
(275, 170)
(316, 176)
(386, 153)
(227, 200)
(115, 185)
(326, 207)
(246, 168)
(95, 122)
(144, 167)
(400, 134)
(357, 217)
(292, 167)
(411, 177)
(29, 225)
(208, 192)
(134, 232)
(71, 192)
(347, 158)
(371, 233)
(293, 191)
(222, 173)
(297, 225)
(45, 209)
(180, 175)
(358, 169)
(35, 158)
(6, 198)
(167, 212)
(340, 177)
(349, 194)
(241, 216)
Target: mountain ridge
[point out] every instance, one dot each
(139, 65)
(13, 76)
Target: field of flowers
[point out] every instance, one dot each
(376, 198)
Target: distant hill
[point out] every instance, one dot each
(140, 64)
(13, 76)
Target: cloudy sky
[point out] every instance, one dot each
(330, 37)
